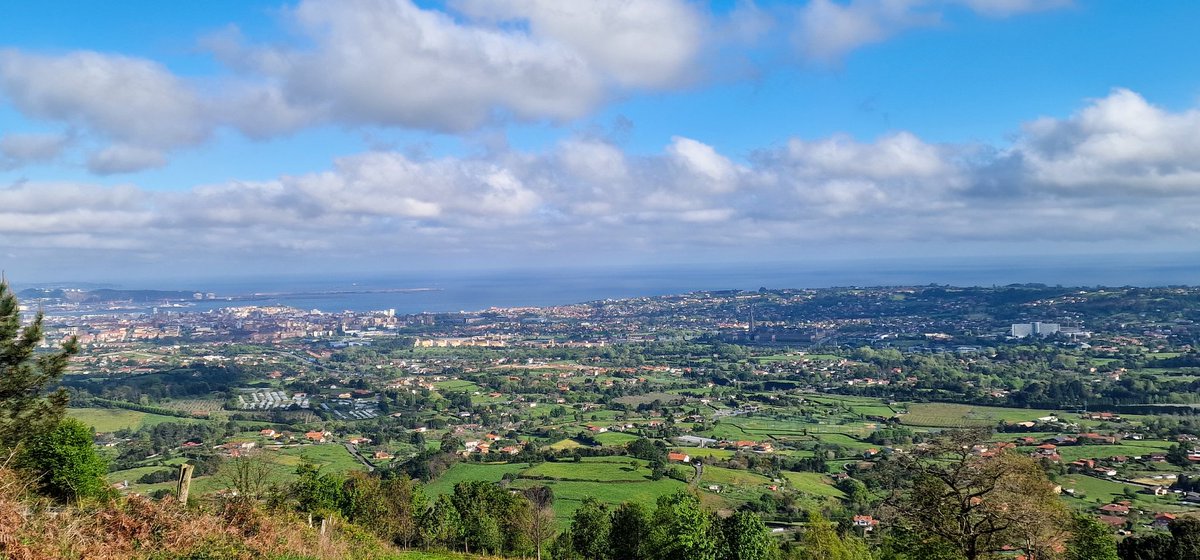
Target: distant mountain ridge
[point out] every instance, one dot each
(104, 295)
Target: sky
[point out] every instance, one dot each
(165, 139)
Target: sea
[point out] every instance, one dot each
(444, 292)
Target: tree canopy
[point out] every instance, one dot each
(26, 411)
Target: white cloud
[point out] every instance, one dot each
(1120, 142)
(130, 100)
(123, 158)
(637, 43)
(827, 30)
(390, 62)
(1082, 178)
(54, 209)
(702, 165)
(19, 149)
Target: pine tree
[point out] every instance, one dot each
(26, 412)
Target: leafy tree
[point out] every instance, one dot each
(489, 516)
(744, 536)
(316, 493)
(631, 522)
(248, 475)
(658, 469)
(978, 504)
(450, 444)
(440, 525)
(564, 546)
(1090, 540)
(363, 501)
(821, 542)
(406, 502)
(590, 527)
(1185, 537)
(66, 462)
(857, 495)
(1177, 455)
(26, 412)
(647, 449)
(1156, 546)
(682, 529)
(903, 544)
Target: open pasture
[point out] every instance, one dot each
(949, 415)
(635, 400)
(456, 386)
(568, 495)
(106, 420)
(467, 472)
(1124, 448)
(591, 469)
(614, 439)
(705, 452)
(732, 477)
(815, 484)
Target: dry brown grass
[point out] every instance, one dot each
(32, 528)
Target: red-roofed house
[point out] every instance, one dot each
(679, 457)
(865, 522)
(1115, 509)
(315, 437)
(1112, 521)
(1162, 520)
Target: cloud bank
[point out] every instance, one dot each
(455, 69)
(1118, 170)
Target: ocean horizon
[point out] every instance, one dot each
(442, 292)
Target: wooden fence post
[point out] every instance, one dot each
(185, 482)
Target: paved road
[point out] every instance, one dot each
(353, 449)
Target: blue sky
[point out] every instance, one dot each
(140, 137)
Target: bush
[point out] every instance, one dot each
(66, 462)
(156, 477)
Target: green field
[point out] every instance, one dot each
(1128, 449)
(466, 472)
(107, 420)
(330, 457)
(732, 477)
(614, 439)
(815, 484)
(705, 452)
(596, 469)
(456, 386)
(846, 441)
(1095, 489)
(608, 479)
(948, 415)
(634, 400)
(883, 411)
(568, 495)
(564, 444)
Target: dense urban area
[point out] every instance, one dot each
(804, 418)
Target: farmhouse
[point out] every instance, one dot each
(1115, 509)
(676, 457)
